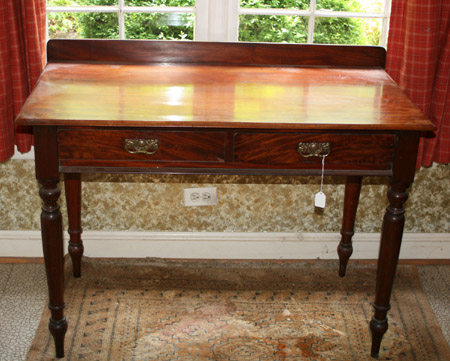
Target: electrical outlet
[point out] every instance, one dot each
(200, 197)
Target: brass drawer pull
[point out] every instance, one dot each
(141, 146)
(314, 149)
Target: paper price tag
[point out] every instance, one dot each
(320, 200)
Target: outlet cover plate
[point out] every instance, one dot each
(194, 197)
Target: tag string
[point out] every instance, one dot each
(323, 171)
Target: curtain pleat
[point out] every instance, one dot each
(22, 56)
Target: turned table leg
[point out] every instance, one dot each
(391, 238)
(351, 199)
(403, 170)
(72, 183)
(47, 173)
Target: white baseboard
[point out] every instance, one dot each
(228, 245)
(23, 156)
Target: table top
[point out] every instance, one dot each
(227, 96)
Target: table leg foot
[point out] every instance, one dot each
(76, 251)
(378, 329)
(345, 250)
(58, 331)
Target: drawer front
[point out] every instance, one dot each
(141, 145)
(344, 150)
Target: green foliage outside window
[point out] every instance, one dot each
(265, 28)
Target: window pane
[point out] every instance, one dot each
(351, 31)
(63, 26)
(160, 2)
(371, 30)
(167, 26)
(82, 25)
(271, 28)
(367, 6)
(99, 25)
(276, 4)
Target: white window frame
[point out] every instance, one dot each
(312, 13)
(218, 20)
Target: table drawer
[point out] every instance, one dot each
(342, 149)
(141, 145)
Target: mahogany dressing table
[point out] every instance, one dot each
(219, 108)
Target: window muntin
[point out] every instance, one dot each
(362, 22)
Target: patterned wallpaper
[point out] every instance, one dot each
(246, 204)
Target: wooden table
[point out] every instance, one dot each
(219, 108)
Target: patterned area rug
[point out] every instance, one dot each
(237, 311)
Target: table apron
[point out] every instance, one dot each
(225, 151)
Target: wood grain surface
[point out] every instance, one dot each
(219, 96)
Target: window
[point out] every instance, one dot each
(292, 21)
(121, 19)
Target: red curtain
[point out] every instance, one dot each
(418, 59)
(22, 57)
